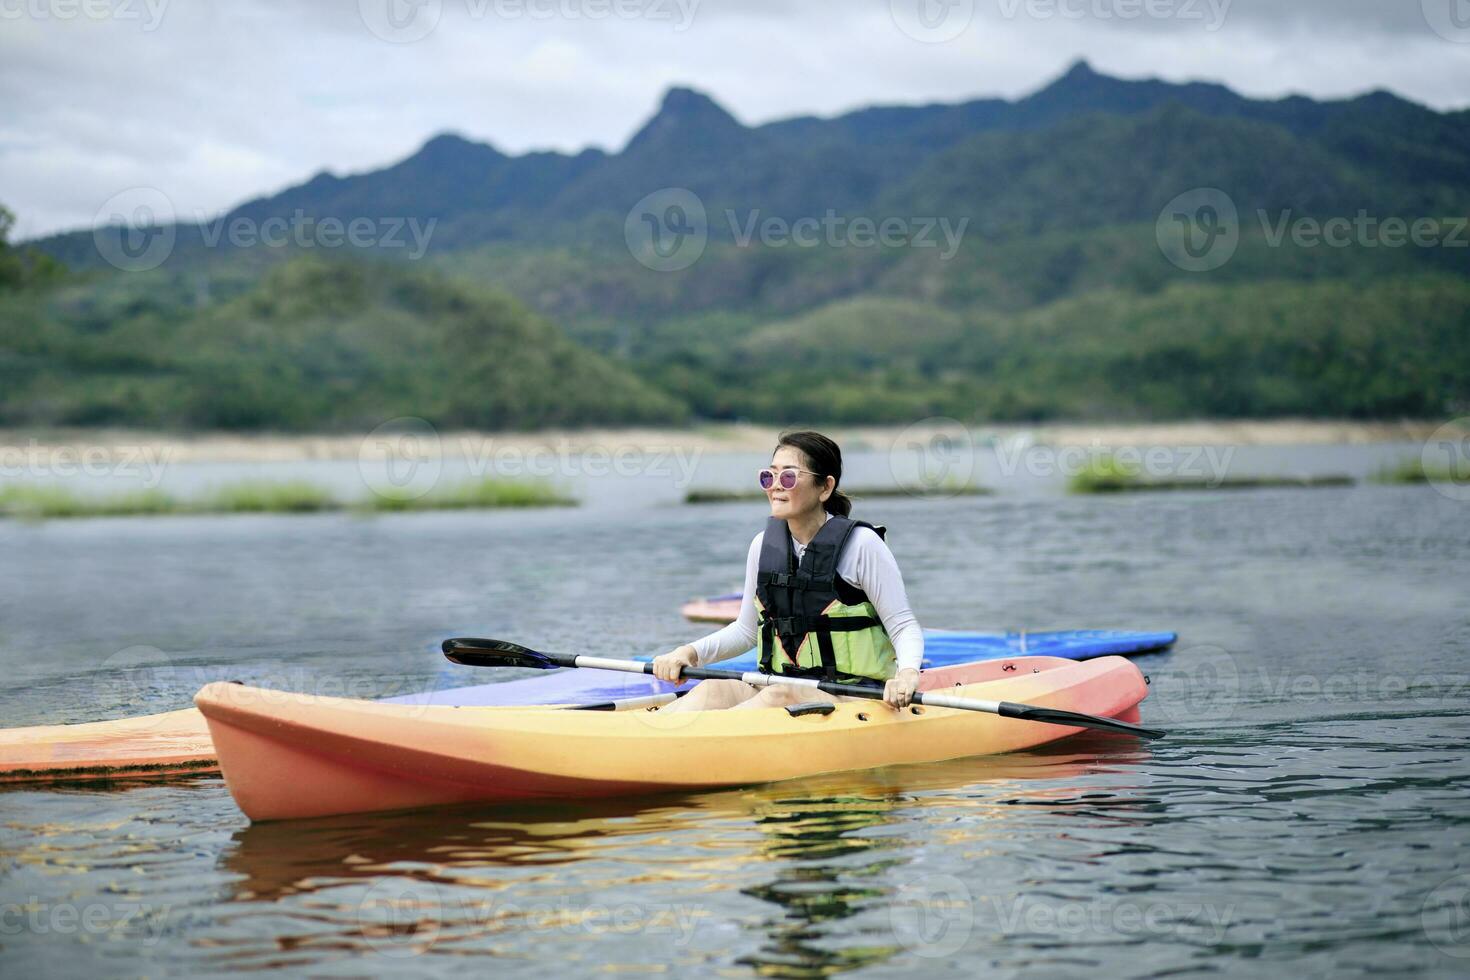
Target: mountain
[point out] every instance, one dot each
(1051, 297)
(1376, 152)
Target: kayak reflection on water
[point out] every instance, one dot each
(826, 857)
(823, 596)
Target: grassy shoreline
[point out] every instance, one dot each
(18, 445)
(31, 502)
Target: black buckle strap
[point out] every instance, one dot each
(799, 625)
(846, 624)
(799, 580)
(829, 654)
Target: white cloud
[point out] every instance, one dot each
(222, 102)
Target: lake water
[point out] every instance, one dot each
(1309, 814)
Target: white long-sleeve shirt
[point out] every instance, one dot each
(866, 563)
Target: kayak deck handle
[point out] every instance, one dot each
(810, 708)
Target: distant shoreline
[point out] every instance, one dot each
(16, 445)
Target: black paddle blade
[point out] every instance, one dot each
(474, 652)
(1056, 716)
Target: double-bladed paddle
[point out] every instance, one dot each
(473, 652)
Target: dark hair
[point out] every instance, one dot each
(825, 459)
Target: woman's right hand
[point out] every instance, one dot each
(668, 666)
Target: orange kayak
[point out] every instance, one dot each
(291, 755)
(719, 609)
(167, 744)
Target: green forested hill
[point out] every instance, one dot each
(1057, 302)
(311, 345)
(1388, 348)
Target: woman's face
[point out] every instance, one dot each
(809, 492)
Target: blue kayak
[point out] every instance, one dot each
(941, 648)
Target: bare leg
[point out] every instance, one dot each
(783, 695)
(713, 696)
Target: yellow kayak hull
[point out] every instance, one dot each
(290, 755)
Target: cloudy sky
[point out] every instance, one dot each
(216, 102)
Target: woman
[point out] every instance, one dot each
(823, 595)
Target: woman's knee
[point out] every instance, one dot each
(709, 695)
(781, 695)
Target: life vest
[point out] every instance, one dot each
(813, 623)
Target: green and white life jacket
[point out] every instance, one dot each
(813, 623)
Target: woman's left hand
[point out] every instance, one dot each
(899, 690)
